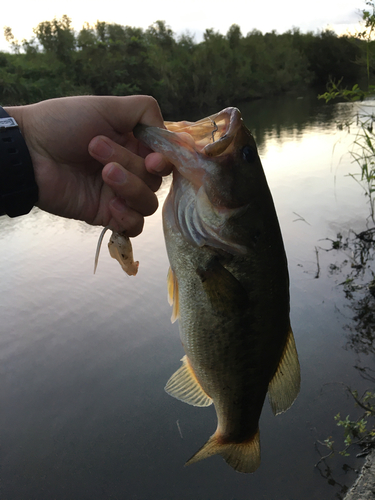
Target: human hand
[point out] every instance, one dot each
(70, 139)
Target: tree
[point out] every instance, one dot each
(58, 37)
(9, 37)
(234, 36)
(367, 34)
(161, 34)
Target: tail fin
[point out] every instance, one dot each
(243, 457)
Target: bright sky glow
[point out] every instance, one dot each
(193, 16)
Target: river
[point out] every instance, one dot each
(84, 357)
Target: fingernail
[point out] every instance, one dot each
(158, 167)
(102, 149)
(155, 163)
(116, 174)
(118, 204)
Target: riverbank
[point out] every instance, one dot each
(364, 487)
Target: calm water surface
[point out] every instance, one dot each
(84, 358)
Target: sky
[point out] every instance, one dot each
(194, 16)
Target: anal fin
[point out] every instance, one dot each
(285, 384)
(173, 298)
(184, 385)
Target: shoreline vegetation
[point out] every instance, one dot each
(222, 70)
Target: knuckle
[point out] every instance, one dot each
(122, 156)
(151, 101)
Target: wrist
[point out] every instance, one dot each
(16, 113)
(18, 188)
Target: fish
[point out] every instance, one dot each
(228, 282)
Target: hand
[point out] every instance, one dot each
(70, 139)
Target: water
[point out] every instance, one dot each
(84, 358)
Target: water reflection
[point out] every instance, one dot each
(357, 253)
(330, 476)
(287, 119)
(351, 268)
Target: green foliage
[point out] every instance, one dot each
(356, 432)
(57, 37)
(366, 34)
(364, 156)
(358, 252)
(353, 429)
(9, 37)
(183, 75)
(363, 151)
(333, 58)
(335, 91)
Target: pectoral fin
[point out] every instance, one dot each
(285, 384)
(184, 385)
(226, 294)
(173, 298)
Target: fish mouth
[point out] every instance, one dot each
(188, 144)
(170, 144)
(211, 135)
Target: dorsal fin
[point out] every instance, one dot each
(284, 386)
(184, 385)
(173, 298)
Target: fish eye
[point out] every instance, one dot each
(248, 154)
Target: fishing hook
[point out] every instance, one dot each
(216, 128)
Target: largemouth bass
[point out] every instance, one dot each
(228, 282)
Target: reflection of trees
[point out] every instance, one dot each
(358, 286)
(327, 473)
(359, 289)
(357, 279)
(362, 336)
(272, 117)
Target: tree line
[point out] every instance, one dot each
(222, 70)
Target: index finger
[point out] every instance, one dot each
(124, 113)
(105, 151)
